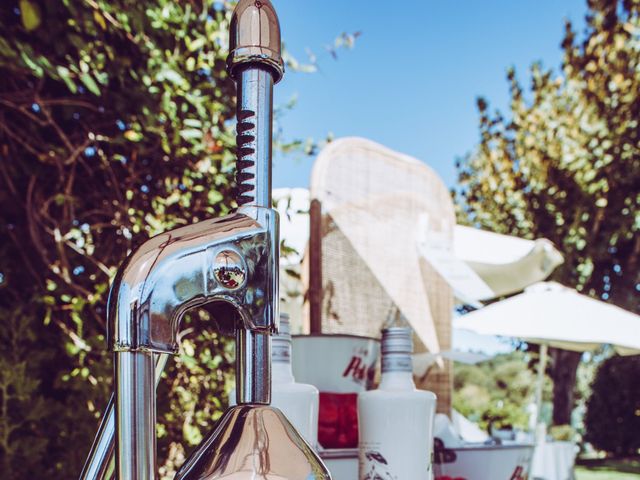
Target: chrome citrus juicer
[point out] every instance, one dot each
(231, 261)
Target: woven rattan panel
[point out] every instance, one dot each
(375, 204)
(353, 299)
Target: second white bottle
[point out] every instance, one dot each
(396, 420)
(298, 401)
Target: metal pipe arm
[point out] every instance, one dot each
(100, 464)
(229, 260)
(226, 260)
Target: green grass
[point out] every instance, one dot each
(609, 470)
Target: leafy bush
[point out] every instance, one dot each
(496, 393)
(563, 433)
(115, 125)
(612, 420)
(563, 163)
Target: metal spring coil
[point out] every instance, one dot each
(246, 174)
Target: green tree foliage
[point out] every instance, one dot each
(496, 392)
(565, 165)
(613, 411)
(117, 122)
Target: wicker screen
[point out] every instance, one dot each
(374, 204)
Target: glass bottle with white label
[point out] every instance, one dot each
(298, 401)
(396, 420)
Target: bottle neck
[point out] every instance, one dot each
(281, 371)
(397, 372)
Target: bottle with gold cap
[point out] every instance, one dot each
(396, 420)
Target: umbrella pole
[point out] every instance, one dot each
(542, 366)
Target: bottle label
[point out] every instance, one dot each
(358, 370)
(396, 363)
(281, 352)
(338, 420)
(373, 464)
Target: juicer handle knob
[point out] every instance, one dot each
(254, 38)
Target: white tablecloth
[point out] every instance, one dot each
(553, 461)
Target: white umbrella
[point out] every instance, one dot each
(482, 265)
(550, 314)
(507, 264)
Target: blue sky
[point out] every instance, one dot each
(413, 77)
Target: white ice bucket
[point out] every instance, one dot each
(334, 362)
(340, 366)
(484, 462)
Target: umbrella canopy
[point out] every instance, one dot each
(482, 265)
(507, 264)
(551, 314)
(422, 362)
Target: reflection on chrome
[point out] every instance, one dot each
(229, 269)
(253, 442)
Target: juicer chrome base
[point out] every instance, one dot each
(254, 442)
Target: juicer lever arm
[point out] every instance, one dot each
(225, 260)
